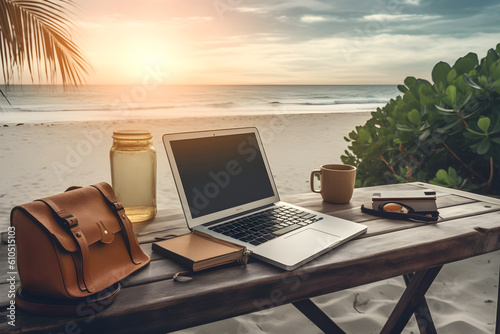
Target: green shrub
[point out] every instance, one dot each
(446, 133)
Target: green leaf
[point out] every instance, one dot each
(491, 57)
(364, 136)
(495, 70)
(442, 175)
(426, 94)
(451, 75)
(496, 86)
(452, 173)
(451, 93)
(410, 82)
(440, 72)
(483, 146)
(402, 88)
(409, 97)
(484, 123)
(414, 116)
(496, 140)
(467, 63)
(462, 85)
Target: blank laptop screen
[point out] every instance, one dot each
(221, 172)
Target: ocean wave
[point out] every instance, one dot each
(303, 103)
(331, 103)
(221, 105)
(209, 99)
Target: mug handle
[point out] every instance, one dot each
(313, 173)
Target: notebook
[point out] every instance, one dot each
(419, 200)
(198, 252)
(227, 191)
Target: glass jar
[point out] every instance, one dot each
(133, 173)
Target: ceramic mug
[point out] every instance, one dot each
(336, 182)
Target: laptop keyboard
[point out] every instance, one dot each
(266, 225)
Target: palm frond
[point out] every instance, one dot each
(36, 34)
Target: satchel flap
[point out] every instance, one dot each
(95, 218)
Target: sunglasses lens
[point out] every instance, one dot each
(393, 207)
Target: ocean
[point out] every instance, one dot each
(33, 103)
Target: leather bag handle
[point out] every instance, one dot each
(107, 192)
(71, 222)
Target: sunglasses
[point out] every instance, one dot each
(400, 211)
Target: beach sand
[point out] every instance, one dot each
(41, 159)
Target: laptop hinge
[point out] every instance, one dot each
(238, 215)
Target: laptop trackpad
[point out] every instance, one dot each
(312, 238)
(300, 247)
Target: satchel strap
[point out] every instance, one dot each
(107, 192)
(71, 222)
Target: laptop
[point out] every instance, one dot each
(227, 191)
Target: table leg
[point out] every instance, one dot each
(410, 300)
(318, 317)
(422, 314)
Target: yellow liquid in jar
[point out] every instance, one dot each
(133, 174)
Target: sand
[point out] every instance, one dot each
(40, 159)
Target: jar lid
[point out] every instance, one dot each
(132, 135)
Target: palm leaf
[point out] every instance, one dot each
(36, 34)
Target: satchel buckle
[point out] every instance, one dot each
(71, 220)
(118, 206)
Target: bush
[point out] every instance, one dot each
(445, 133)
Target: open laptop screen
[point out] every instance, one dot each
(221, 172)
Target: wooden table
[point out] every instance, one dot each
(151, 302)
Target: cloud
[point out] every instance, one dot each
(301, 41)
(411, 2)
(399, 17)
(317, 19)
(251, 10)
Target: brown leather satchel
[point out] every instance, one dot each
(75, 244)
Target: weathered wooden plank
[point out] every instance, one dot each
(219, 294)
(159, 269)
(177, 226)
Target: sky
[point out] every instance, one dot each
(280, 41)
